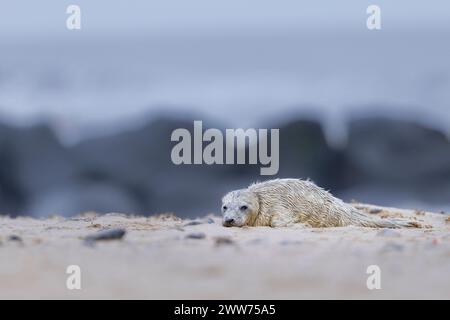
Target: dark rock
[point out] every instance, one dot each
(106, 235)
(196, 235)
(139, 161)
(32, 160)
(12, 193)
(42, 161)
(193, 223)
(392, 151)
(219, 241)
(15, 238)
(132, 171)
(305, 153)
(397, 162)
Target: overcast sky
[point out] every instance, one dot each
(47, 17)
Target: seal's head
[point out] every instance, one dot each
(239, 208)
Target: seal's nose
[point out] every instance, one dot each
(228, 222)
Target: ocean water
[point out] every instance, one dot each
(87, 85)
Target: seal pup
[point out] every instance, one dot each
(283, 202)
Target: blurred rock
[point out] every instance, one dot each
(132, 171)
(106, 235)
(386, 161)
(31, 160)
(196, 235)
(15, 238)
(140, 161)
(220, 241)
(41, 159)
(193, 223)
(12, 194)
(399, 156)
(397, 152)
(304, 153)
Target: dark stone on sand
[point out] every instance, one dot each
(196, 235)
(223, 241)
(193, 223)
(15, 238)
(106, 235)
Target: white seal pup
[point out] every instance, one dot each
(283, 202)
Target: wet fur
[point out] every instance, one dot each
(283, 202)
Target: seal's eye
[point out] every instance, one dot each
(243, 208)
(224, 208)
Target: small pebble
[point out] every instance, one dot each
(196, 235)
(193, 223)
(110, 234)
(224, 241)
(14, 238)
(210, 221)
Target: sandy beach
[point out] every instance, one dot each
(165, 257)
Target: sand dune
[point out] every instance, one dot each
(167, 257)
